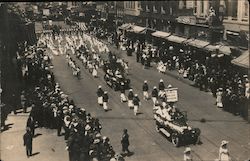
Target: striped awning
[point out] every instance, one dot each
(160, 34)
(243, 60)
(137, 29)
(176, 39)
(198, 43)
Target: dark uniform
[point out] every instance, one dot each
(125, 141)
(27, 141)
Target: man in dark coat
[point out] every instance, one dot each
(125, 141)
(27, 142)
(31, 124)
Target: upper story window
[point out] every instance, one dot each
(246, 9)
(154, 9)
(163, 10)
(195, 7)
(147, 8)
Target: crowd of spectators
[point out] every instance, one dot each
(52, 108)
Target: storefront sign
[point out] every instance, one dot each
(186, 19)
(172, 94)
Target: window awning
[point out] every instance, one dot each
(198, 43)
(243, 60)
(137, 29)
(225, 50)
(125, 26)
(211, 47)
(160, 34)
(176, 39)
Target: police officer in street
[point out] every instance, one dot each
(145, 90)
(154, 94)
(100, 95)
(130, 98)
(125, 142)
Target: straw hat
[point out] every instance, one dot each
(224, 142)
(188, 149)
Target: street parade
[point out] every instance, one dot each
(85, 88)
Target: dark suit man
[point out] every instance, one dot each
(27, 141)
(125, 141)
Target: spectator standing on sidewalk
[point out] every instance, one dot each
(27, 142)
(23, 102)
(31, 124)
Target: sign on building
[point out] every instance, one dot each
(46, 12)
(172, 94)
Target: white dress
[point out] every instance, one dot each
(223, 154)
(94, 72)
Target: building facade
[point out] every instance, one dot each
(131, 11)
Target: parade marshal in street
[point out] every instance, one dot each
(27, 142)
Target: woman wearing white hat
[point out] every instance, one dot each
(130, 98)
(187, 154)
(145, 90)
(219, 98)
(136, 102)
(99, 95)
(105, 101)
(223, 151)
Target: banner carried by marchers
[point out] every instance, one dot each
(172, 94)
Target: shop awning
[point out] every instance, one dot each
(198, 43)
(137, 29)
(176, 39)
(160, 34)
(225, 50)
(243, 60)
(211, 47)
(125, 26)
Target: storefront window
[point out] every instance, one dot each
(234, 8)
(246, 10)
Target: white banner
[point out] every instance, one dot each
(172, 94)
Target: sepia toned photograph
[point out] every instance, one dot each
(125, 80)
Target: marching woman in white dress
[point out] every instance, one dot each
(105, 101)
(223, 152)
(130, 98)
(219, 98)
(99, 95)
(122, 89)
(94, 72)
(136, 102)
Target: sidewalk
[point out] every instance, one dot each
(47, 146)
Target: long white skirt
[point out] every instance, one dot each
(136, 107)
(105, 105)
(123, 97)
(94, 73)
(145, 94)
(99, 100)
(154, 100)
(130, 103)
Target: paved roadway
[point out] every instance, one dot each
(146, 143)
